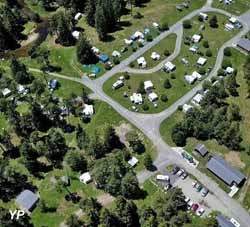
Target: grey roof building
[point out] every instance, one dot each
(225, 171)
(27, 200)
(244, 44)
(201, 149)
(223, 222)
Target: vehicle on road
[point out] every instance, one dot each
(200, 211)
(204, 192)
(234, 222)
(175, 170)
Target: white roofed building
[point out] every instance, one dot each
(88, 110)
(148, 85)
(229, 70)
(186, 108)
(142, 62)
(152, 97)
(169, 67)
(85, 178)
(155, 56)
(201, 61)
(133, 161)
(197, 99)
(136, 98)
(6, 92)
(116, 53)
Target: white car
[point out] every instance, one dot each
(200, 212)
(180, 172)
(190, 204)
(187, 199)
(234, 222)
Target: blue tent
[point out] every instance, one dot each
(53, 84)
(104, 58)
(95, 69)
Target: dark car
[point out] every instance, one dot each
(175, 170)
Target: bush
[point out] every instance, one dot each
(227, 52)
(167, 84)
(187, 24)
(116, 60)
(131, 64)
(134, 48)
(126, 76)
(145, 107)
(206, 44)
(209, 53)
(164, 98)
(202, 71)
(220, 72)
(149, 37)
(173, 76)
(213, 22)
(164, 26)
(138, 15)
(140, 44)
(180, 108)
(166, 53)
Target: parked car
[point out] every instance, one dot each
(180, 172)
(194, 184)
(204, 192)
(235, 223)
(175, 170)
(124, 49)
(195, 207)
(184, 175)
(198, 187)
(200, 212)
(187, 199)
(190, 204)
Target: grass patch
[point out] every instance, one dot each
(28, 27)
(238, 7)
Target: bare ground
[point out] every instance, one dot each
(234, 158)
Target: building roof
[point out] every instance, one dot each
(133, 161)
(223, 222)
(88, 110)
(104, 58)
(201, 148)
(186, 108)
(85, 178)
(148, 84)
(197, 99)
(224, 170)
(201, 61)
(152, 96)
(27, 199)
(244, 44)
(136, 98)
(196, 38)
(170, 66)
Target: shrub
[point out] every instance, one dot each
(166, 53)
(132, 64)
(206, 44)
(164, 26)
(126, 76)
(227, 52)
(180, 108)
(167, 84)
(209, 53)
(116, 60)
(134, 48)
(149, 37)
(145, 107)
(164, 98)
(173, 76)
(226, 63)
(138, 15)
(220, 72)
(213, 22)
(202, 71)
(187, 24)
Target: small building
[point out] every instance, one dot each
(27, 200)
(223, 222)
(133, 161)
(204, 16)
(186, 108)
(152, 97)
(229, 70)
(88, 110)
(227, 173)
(78, 16)
(6, 92)
(197, 99)
(76, 34)
(201, 150)
(201, 61)
(155, 56)
(118, 84)
(189, 79)
(161, 177)
(136, 98)
(104, 58)
(244, 44)
(85, 178)
(148, 85)
(169, 67)
(116, 53)
(196, 38)
(142, 62)
(22, 90)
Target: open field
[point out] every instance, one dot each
(215, 38)
(241, 160)
(239, 7)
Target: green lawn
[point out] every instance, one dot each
(28, 27)
(166, 44)
(239, 7)
(215, 37)
(3, 123)
(243, 160)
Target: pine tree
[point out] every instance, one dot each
(101, 21)
(90, 12)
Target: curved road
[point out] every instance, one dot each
(150, 124)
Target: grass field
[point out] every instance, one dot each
(28, 27)
(166, 44)
(215, 38)
(241, 160)
(239, 7)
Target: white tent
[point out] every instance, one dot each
(152, 97)
(148, 85)
(233, 20)
(139, 34)
(88, 110)
(142, 62)
(155, 56)
(6, 92)
(136, 98)
(186, 107)
(197, 99)
(156, 25)
(196, 38)
(189, 79)
(198, 76)
(85, 178)
(78, 16)
(229, 70)
(204, 16)
(201, 61)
